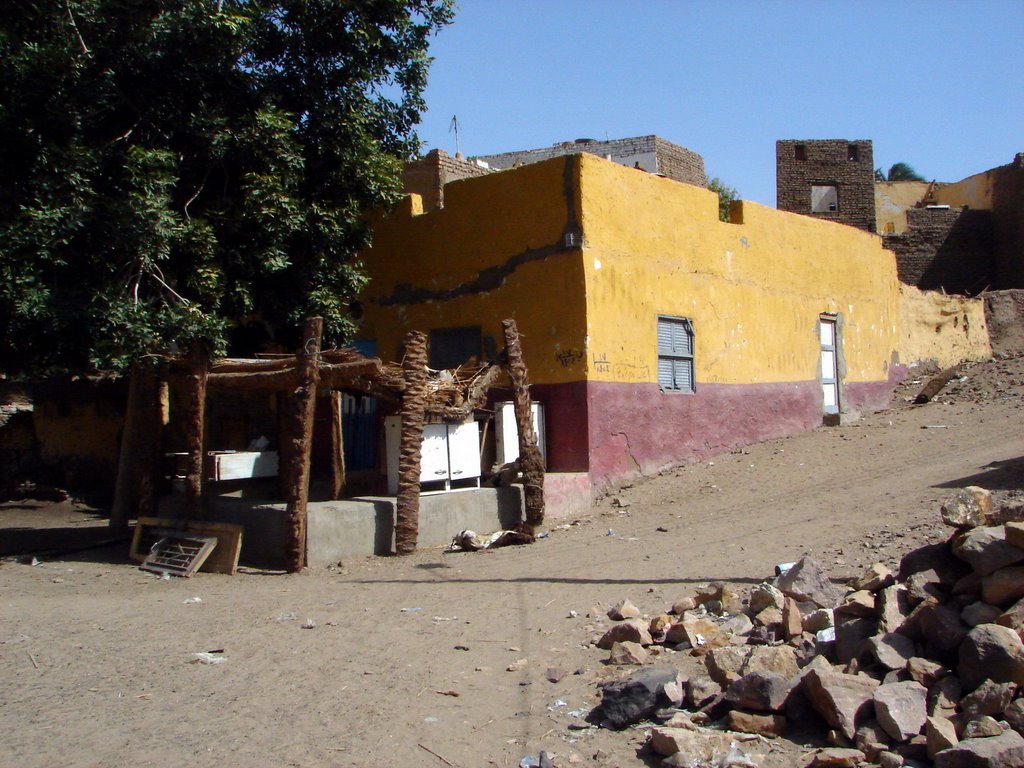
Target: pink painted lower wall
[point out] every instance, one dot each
(636, 429)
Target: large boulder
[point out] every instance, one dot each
(986, 549)
(900, 708)
(967, 508)
(631, 699)
(1003, 586)
(993, 652)
(1003, 751)
(760, 692)
(807, 582)
(843, 701)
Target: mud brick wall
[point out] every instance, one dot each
(427, 176)
(671, 160)
(1008, 221)
(946, 249)
(827, 163)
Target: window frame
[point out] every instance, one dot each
(675, 355)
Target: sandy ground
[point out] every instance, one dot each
(407, 664)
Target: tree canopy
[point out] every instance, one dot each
(170, 167)
(899, 172)
(726, 195)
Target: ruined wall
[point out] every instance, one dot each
(652, 153)
(753, 289)
(946, 249)
(848, 166)
(940, 328)
(892, 199)
(1004, 315)
(428, 176)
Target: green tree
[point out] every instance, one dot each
(899, 172)
(168, 167)
(726, 195)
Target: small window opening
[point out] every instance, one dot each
(852, 152)
(824, 198)
(675, 354)
(800, 151)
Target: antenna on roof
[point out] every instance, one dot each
(454, 128)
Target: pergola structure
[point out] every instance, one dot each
(419, 392)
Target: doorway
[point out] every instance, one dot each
(829, 367)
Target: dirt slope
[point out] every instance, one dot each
(374, 682)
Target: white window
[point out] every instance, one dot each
(675, 354)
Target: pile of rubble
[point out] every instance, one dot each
(916, 668)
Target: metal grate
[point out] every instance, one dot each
(179, 555)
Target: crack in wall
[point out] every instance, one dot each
(491, 278)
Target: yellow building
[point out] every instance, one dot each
(654, 333)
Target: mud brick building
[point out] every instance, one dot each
(831, 179)
(427, 176)
(649, 153)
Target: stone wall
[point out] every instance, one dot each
(427, 176)
(846, 165)
(1004, 315)
(946, 249)
(650, 153)
(1008, 222)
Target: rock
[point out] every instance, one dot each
(675, 692)
(695, 747)
(1003, 751)
(725, 664)
(623, 609)
(769, 617)
(871, 739)
(759, 691)
(900, 708)
(940, 628)
(890, 760)
(1014, 715)
(1015, 532)
(1010, 511)
(554, 674)
(739, 625)
(982, 727)
(944, 696)
(1013, 617)
(893, 607)
(860, 603)
(765, 595)
(892, 650)
(851, 636)
(986, 549)
(925, 671)
(631, 699)
(770, 725)
(993, 652)
(980, 613)
(699, 631)
(968, 585)
(875, 578)
(731, 602)
(792, 619)
(684, 605)
(626, 652)
(924, 587)
(1003, 586)
(989, 698)
(937, 558)
(819, 619)
(700, 689)
(807, 582)
(941, 734)
(837, 757)
(633, 631)
(844, 701)
(967, 508)
(780, 659)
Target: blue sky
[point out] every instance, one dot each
(939, 85)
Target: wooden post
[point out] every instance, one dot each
(530, 461)
(195, 426)
(299, 435)
(337, 447)
(407, 506)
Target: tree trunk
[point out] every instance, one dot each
(337, 447)
(147, 467)
(407, 505)
(530, 461)
(125, 489)
(195, 425)
(299, 435)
